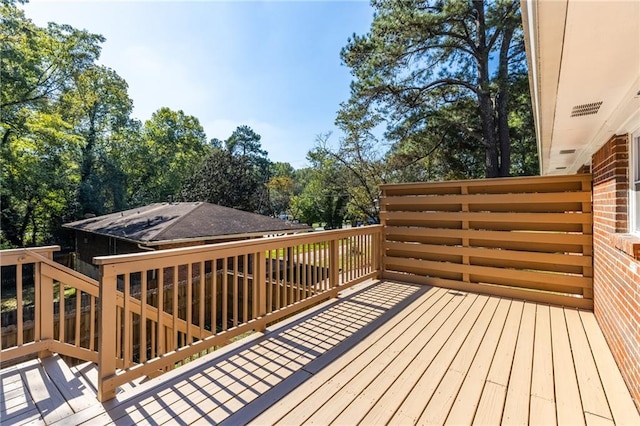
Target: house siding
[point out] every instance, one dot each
(90, 245)
(616, 284)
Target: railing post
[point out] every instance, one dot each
(334, 264)
(377, 251)
(107, 335)
(45, 307)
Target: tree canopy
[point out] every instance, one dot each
(234, 174)
(439, 91)
(440, 77)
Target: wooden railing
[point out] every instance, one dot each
(60, 305)
(162, 309)
(528, 238)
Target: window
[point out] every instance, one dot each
(634, 196)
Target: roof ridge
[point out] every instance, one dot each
(164, 231)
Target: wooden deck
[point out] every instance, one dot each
(385, 352)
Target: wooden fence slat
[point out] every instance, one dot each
(530, 233)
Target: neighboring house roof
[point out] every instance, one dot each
(584, 73)
(161, 223)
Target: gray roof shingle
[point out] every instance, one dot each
(162, 222)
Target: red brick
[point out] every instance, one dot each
(616, 282)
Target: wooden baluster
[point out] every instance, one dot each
(245, 289)
(235, 291)
(46, 309)
(119, 352)
(214, 296)
(189, 303)
(201, 307)
(379, 253)
(314, 269)
(269, 282)
(92, 323)
(346, 259)
(360, 255)
(160, 340)
(152, 349)
(333, 263)
(61, 317)
(225, 294)
(126, 347)
(302, 268)
(174, 310)
(254, 287)
(298, 261)
(277, 266)
(38, 301)
(260, 282)
(289, 268)
(143, 316)
(78, 316)
(19, 307)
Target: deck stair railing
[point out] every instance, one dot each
(51, 289)
(152, 312)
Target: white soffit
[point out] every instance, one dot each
(587, 62)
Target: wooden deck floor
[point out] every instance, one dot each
(387, 352)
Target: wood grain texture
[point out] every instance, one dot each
(381, 352)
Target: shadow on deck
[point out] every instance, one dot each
(383, 352)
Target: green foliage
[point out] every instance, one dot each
(234, 174)
(171, 146)
(98, 107)
(38, 147)
(439, 76)
(359, 168)
(323, 198)
(38, 178)
(441, 83)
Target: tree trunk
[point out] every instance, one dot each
(25, 221)
(485, 106)
(34, 230)
(502, 103)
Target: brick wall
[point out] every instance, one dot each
(616, 284)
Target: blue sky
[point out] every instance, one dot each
(272, 65)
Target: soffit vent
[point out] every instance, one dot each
(585, 109)
(567, 151)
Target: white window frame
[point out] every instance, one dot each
(634, 184)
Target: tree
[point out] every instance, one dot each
(37, 64)
(362, 169)
(234, 174)
(171, 146)
(424, 62)
(323, 198)
(37, 146)
(245, 145)
(98, 106)
(39, 177)
(281, 186)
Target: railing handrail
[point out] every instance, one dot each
(47, 271)
(268, 243)
(12, 256)
(495, 182)
(92, 285)
(345, 257)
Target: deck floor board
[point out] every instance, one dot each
(383, 352)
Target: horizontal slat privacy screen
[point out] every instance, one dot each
(526, 237)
